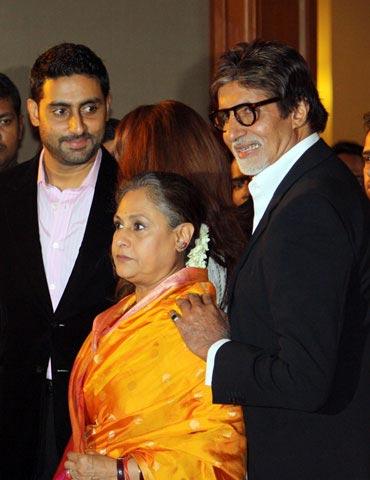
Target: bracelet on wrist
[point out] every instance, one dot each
(120, 469)
(123, 470)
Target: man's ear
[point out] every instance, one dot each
(20, 127)
(33, 112)
(300, 114)
(183, 235)
(108, 104)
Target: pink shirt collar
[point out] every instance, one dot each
(89, 181)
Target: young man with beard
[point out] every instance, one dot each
(297, 354)
(11, 123)
(55, 270)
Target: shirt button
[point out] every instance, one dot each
(54, 206)
(55, 245)
(52, 286)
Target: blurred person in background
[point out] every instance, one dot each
(239, 184)
(109, 133)
(11, 123)
(351, 154)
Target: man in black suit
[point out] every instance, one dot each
(297, 355)
(55, 271)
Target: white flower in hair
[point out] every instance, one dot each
(197, 256)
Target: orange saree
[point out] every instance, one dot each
(137, 390)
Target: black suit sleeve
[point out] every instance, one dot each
(306, 261)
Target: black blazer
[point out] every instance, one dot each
(29, 330)
(299, 359)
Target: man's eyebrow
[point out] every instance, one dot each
(6, 114)
(91, 100)
(59, 104)
(82, 104)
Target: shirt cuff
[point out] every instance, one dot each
(211, 359)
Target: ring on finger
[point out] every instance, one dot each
(175, 316)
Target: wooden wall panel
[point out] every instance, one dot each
(290, 21)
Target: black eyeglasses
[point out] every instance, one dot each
(245, 113)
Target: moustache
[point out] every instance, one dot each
(243, 142)
(71, 138)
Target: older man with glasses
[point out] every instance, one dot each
(295, 348)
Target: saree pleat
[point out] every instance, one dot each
(137, 390)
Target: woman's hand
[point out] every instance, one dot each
(90, 466)
(93, 466)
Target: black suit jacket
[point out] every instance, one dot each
(30, 332)
(299, 359)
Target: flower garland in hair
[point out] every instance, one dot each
(197, 256)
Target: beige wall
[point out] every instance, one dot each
(153, 49)
(351, 67)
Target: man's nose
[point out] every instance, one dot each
(76, 124)
(233, 129)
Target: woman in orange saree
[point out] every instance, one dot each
(136, 391)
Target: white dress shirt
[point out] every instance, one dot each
(262, 188)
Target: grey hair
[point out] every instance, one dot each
(174, 195)
(155, 193)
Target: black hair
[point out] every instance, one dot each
(110, 129)
(65, 60)
(351, 148)
(10, 91)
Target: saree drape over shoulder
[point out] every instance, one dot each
(137, 390)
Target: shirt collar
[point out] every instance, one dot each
(89, 180)
(263, 186)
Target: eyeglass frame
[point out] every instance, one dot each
(252, 107)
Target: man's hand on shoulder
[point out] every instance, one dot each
(201, 323)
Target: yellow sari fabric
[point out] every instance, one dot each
(137, 390)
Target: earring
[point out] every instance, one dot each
(181, 245)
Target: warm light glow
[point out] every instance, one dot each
(324, 63)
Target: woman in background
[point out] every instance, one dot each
(137, 394)
(172, 137)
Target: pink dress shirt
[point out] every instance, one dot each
(62, 217)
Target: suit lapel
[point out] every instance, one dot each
(98, 233)
(312, 157)
(23, 221)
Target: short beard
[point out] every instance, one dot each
(249, 168)
(70, 160)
